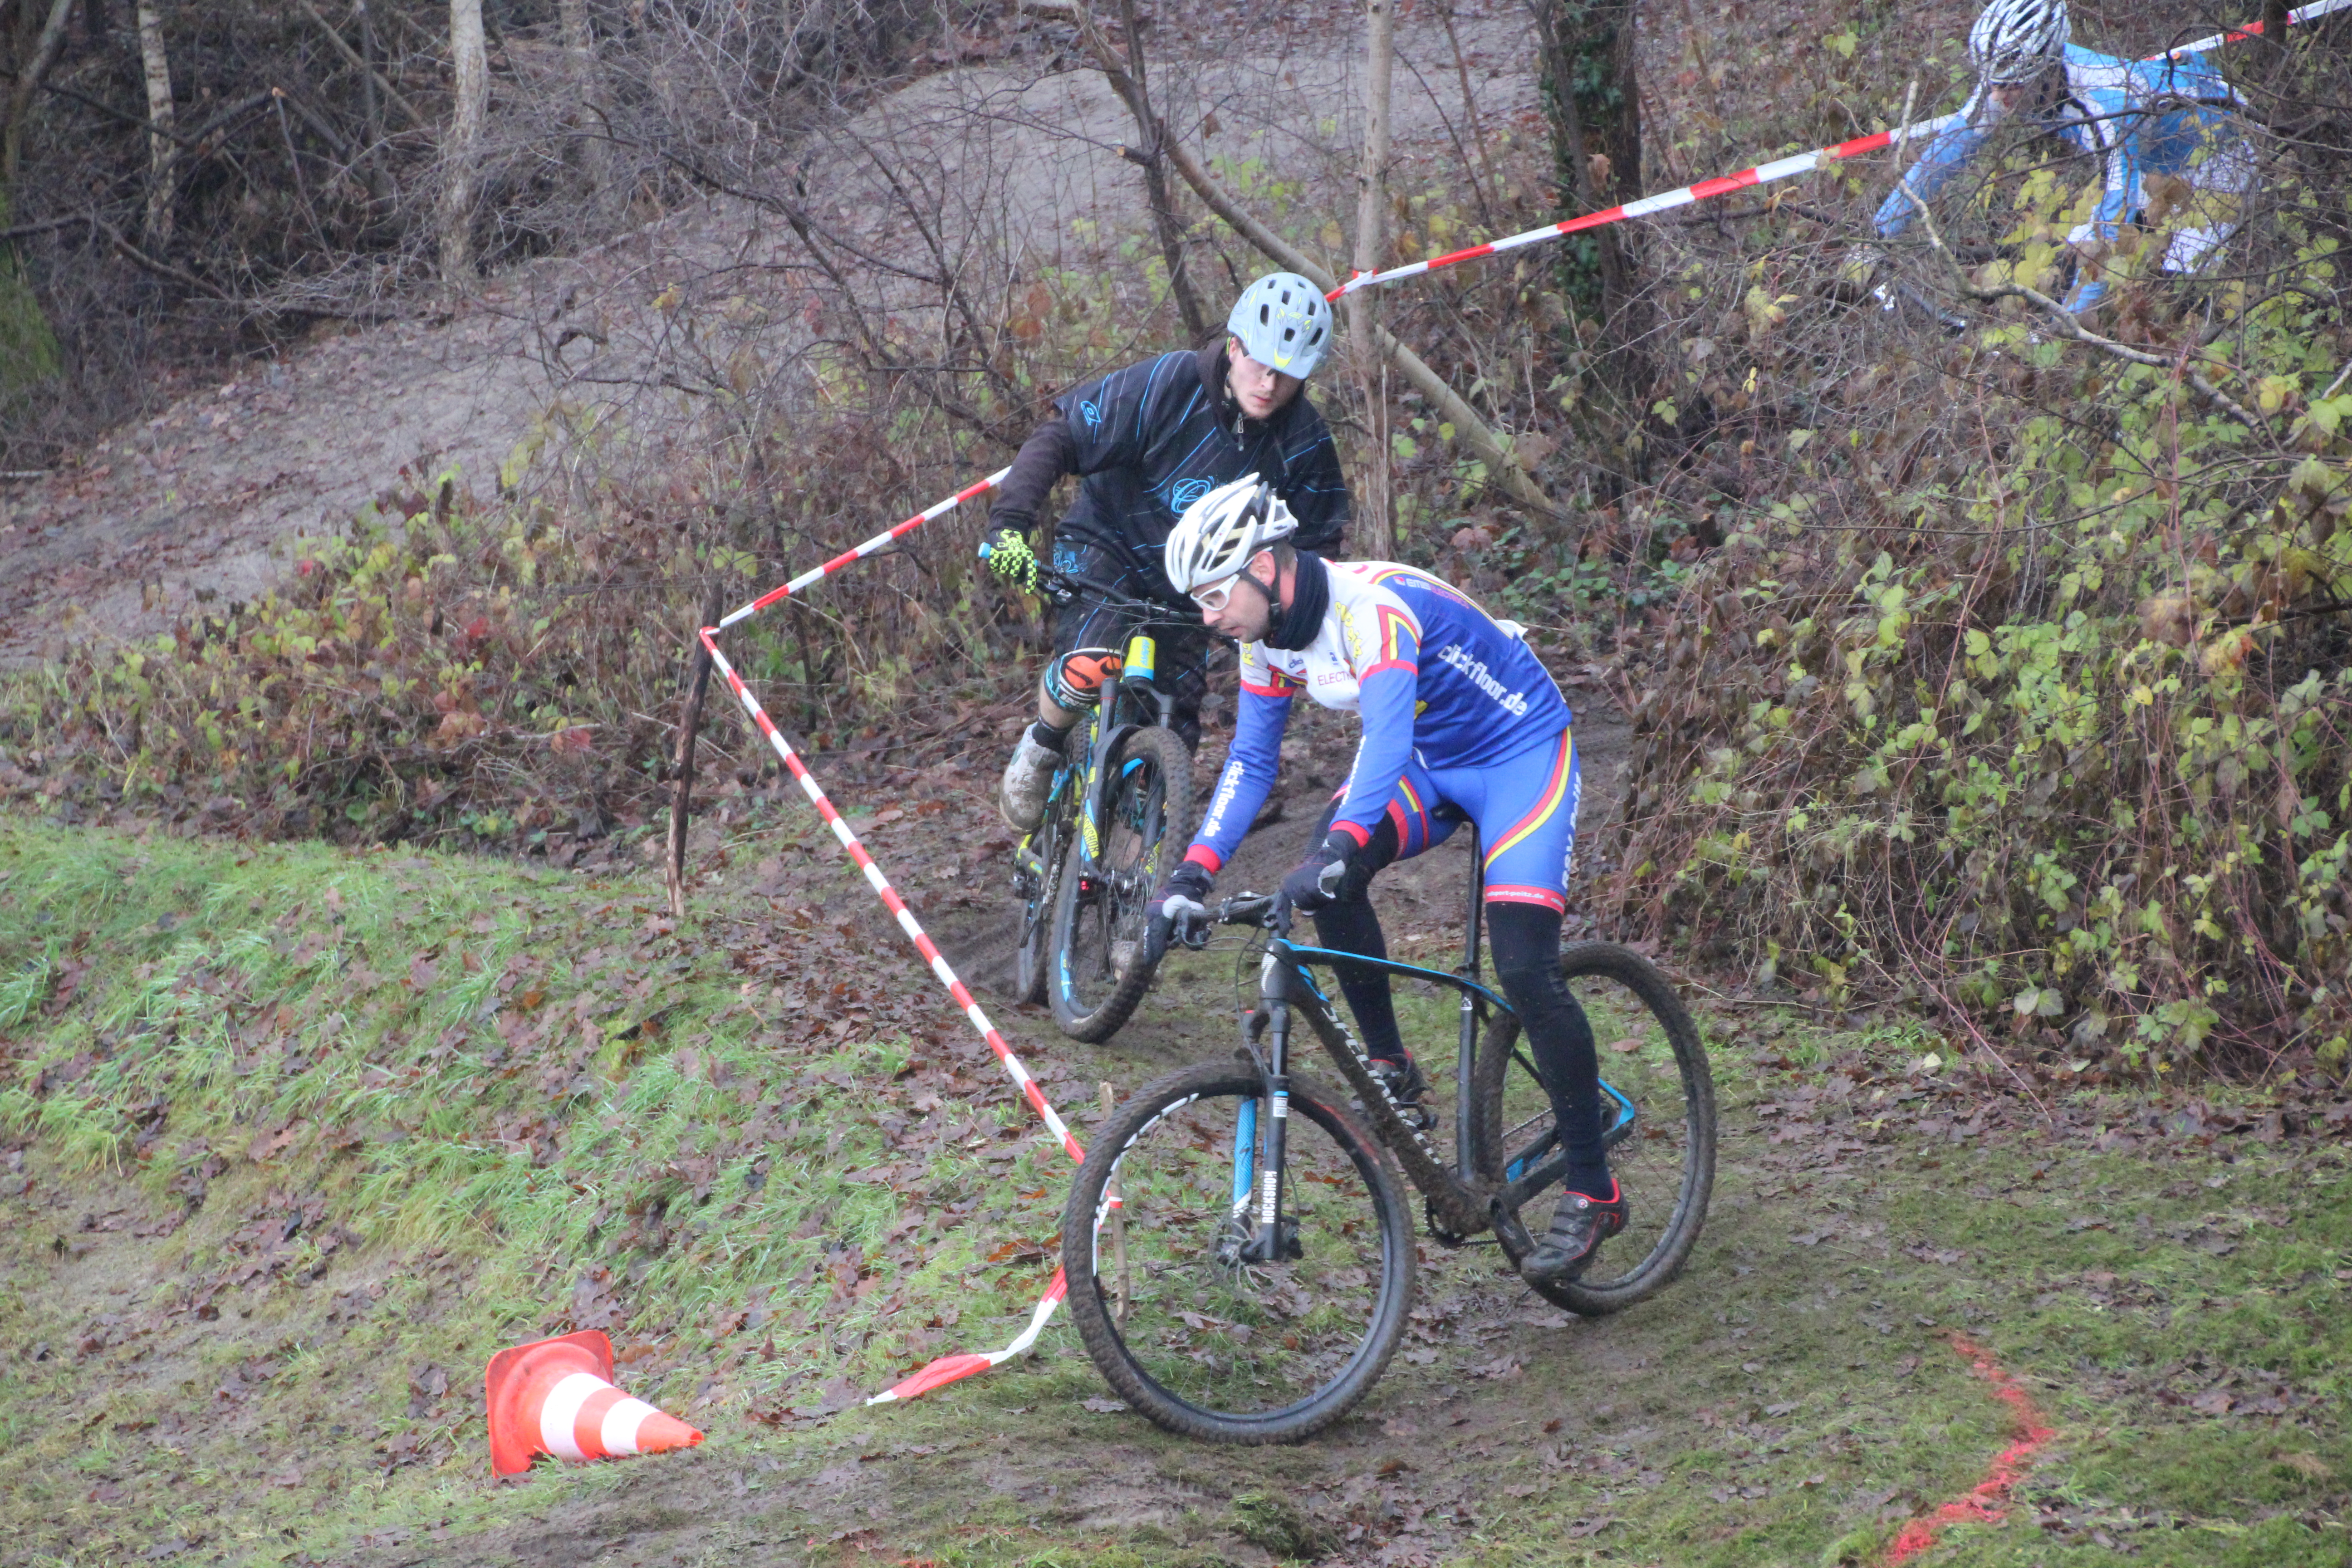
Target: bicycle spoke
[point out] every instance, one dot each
(1215, 1328)
(1657, 1113)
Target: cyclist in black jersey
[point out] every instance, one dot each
(1149, 440)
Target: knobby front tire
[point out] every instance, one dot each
(1212, 1346)
(1032, 952)
(1651, 1052)
(1097, 968)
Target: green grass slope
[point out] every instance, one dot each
(293, 1138)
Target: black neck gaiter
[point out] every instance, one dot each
(1310, 597)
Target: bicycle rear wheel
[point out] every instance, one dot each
(1657, 1103)
(1098, 970)
(1204, 1342)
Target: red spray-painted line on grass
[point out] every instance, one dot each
(1981, 1503)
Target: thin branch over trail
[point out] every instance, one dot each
(1501, 462)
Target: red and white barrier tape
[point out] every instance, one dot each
(1761, 175)
(947, 1369)
(2252, 30)
(859, 552)
(1666, 201)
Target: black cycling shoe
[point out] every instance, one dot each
(1578, 1227)
(1408, 1089)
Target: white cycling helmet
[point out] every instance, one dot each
(2015, 40)
(1218, 533)
(1283, 323)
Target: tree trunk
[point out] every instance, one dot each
(594, 146)
(28, 86)
(1595, 103)
(163, 151)
(1164, 222)
(461, 144)
(1375, 535)
(28, 349)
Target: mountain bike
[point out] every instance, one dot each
(1262, 1259)
(1119, 813)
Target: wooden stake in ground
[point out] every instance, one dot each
(681, 768)
(1118, 1229)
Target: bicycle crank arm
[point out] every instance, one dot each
(1506, 1220)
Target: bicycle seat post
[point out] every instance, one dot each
(1466, 1053)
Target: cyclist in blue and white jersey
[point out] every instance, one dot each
(1461, 720)
(2139, 118)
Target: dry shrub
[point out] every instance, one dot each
(2016, 684)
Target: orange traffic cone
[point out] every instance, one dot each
(557, 1398)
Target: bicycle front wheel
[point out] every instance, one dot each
(1034, 885)
(1657, 1103)
(1102, 901)
(1196, 1322)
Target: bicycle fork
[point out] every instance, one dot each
(1257, 1181)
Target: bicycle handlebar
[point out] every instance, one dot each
(1271, 911)
(1063, 586)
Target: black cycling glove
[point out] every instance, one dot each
(1334, 874)
(1177, 910)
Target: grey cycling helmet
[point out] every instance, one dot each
(2015, 40)
(1283, 322)
(1218, 533)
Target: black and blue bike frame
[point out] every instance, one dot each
(1462, 1202)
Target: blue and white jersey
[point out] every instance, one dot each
(1433, 675)
(2136, 117)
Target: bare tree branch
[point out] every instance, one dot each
(2062, 321)
(1450, 404)
(29, 83)
(344, 47)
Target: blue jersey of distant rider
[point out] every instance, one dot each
(2138, 118)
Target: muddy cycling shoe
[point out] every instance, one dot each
(1028, 780)
(1578, 1227)
(1409, 1088)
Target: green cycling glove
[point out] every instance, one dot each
(1008, 555)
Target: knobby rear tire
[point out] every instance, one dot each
(1092, 1000)
(1504, 1087)
(1167, 1236)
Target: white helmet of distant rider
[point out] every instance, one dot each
(1283, 322)
(1219, 532)
(2015, 40)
